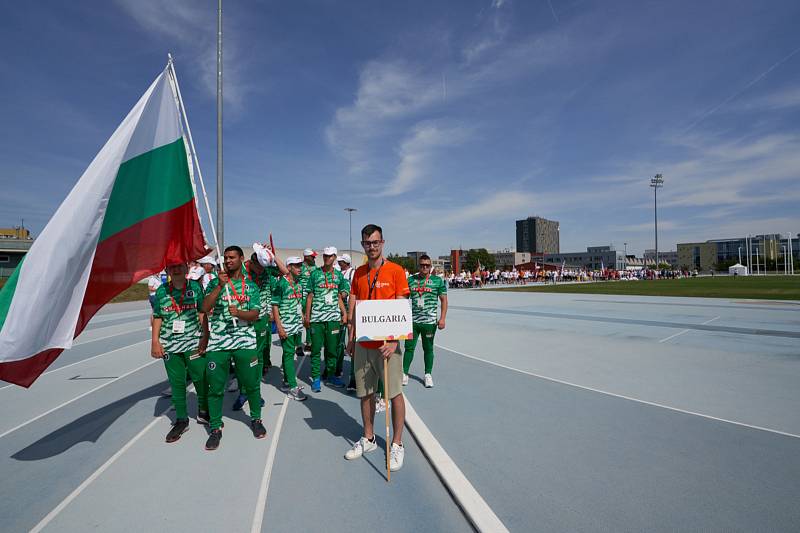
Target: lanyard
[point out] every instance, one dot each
(325, 278)
(292, 286)
(233, 288)
(373, 282)
(178, 308)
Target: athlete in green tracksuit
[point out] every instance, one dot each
(287, 297)
(309, 265)
(265, 278)
(232, 296)
(180, 336)
(426, 291)
(324, 316)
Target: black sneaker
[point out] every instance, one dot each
(202, 417)
(213, 439)
(299, 351)
(259, 431)
(180, 427)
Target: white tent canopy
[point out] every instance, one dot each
(737, 270)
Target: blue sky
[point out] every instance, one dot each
(442, 121)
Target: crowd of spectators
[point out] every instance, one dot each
(481, 278)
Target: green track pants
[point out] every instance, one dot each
(325, 334)
(177, 364)
(427, 332)
(217, 368)
(263, 342)
(289, 345)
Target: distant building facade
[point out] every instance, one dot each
(537, 235)
(671, 258)
(707, 255)
(506, 260)
(415, 255)
(594, 258)
(14, 244)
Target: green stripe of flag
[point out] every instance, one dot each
(151, 183)
(7, 293)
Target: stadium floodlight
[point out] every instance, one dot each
(656, 182)
(350, 212)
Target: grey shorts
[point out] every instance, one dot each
(368, 364)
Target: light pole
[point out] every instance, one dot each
(791, 253)
(740, 255)
(656, 182)
(625, 262)
(350, 213)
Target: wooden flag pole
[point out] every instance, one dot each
(387, 402)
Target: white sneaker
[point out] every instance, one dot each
(380, 406)
(428, 381)
(396, 457)
(405, 380)
(233, 386)
(362, 446)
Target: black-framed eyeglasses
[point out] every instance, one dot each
(371, 244)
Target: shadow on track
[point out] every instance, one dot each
(91, 426)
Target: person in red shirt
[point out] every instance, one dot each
(379, 279)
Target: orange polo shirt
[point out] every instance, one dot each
(391, 282)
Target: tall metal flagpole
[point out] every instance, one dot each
(220, 219)
(196, 163)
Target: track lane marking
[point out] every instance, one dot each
(109, 336)
(463, 492)
(82, 361)
(34, 419)
(687, 330)
(89, 480)
(261, 501)
(621, 396)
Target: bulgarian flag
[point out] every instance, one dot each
(131, 213)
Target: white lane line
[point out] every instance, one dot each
(88, 481)
(109, 336)
(676, 409)
(106, 384)
(261, 503)
(687, 330)
(84, 360)
(471, 502)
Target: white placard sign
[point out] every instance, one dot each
(383, 320)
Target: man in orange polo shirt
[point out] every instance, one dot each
(379, 279)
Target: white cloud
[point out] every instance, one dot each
(417, 151)
(193, 29)
(787, 98)
(387, 91)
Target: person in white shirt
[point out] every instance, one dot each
(345, 265)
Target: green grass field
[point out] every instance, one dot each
(751, 287)
(131, 294)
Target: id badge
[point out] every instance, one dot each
(178, 326)
(420, 302)
(329, 298)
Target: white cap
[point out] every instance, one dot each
(309, 251)
(294, 260)
(346, 259)
(264, 255)
(195, 273)
(330, 250)
(207, 260)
